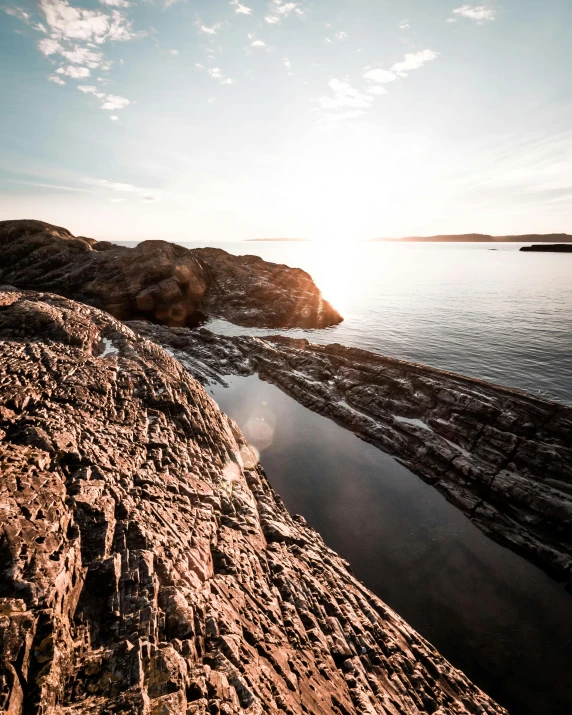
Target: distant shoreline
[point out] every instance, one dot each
(480, 238)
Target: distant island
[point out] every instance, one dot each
(485, 238)
(280, 239)
(550, 248)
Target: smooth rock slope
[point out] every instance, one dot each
(502, 456)
(147, 566)
(160, 281)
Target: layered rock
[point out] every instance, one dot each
(147, 566)
(160, 281)
(500, 455)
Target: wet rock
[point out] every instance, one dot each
(502, 456)
(147, 566)
(160, 281)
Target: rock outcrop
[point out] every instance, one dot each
(502, 456)
(160, 281)
(147, 566)
(549, 248)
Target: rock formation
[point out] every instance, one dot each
(549, 248)
(160, 281)
(147, 566)
(500, 455)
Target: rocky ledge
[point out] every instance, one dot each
(147, 566)
(549, 248)
(160, 281)
(503, 457)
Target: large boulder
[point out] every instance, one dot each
(160, 281)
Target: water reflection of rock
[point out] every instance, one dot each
(500, 455)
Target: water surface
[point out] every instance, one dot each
(491, 613)
(499, 315)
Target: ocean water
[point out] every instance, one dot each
(499, 315)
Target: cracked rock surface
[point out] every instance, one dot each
(160, 281)
(147, 566)
(502, 456)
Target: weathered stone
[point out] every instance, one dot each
(485, 446)
(136, 576)
(160, 281)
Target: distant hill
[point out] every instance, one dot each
(485, 238)
(278, 239)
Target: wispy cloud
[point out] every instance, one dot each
(74, 72)
(478, 13)
(215, 73)
(413, 61)
(344, 96)
(18, 13)
(258, 43)
(241, 9)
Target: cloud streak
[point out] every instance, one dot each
(478, 13)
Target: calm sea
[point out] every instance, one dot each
(499, 315)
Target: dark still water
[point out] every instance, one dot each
(493, 615)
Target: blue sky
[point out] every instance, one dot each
(338, 120)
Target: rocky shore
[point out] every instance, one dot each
(503, 457)
(147, 566)
(160, 281)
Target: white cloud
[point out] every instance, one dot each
(174, 52)
(344, 97)
(111, 185)
(115, 200)
(112, 102)
(271, 19)
(342, 36)
(215, 73)
(376, 89)
(72, 23)
(18, 13)
(210, 30)
(211, 100)
(114, 118)
(403, 25)
(258, 43)
(115, 3)
(413, 61)
(74, 72)
(56, 79)
(241, 9)
(479, 13)
(48, 46)
(83, 56)
(380, 76)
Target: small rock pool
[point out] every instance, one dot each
(495, 616)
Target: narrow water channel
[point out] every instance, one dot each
(491, 613)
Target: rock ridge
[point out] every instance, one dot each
(147, 566)
(500, 455)
(160, 281)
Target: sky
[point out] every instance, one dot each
(336, 120)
